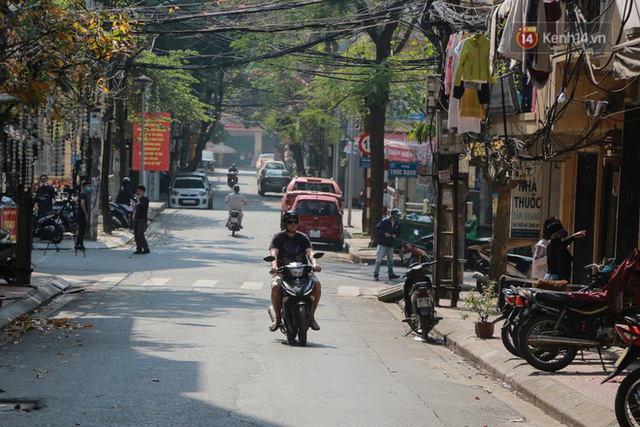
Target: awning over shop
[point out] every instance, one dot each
(626, 60)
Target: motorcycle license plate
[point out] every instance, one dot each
(314, 233)
(423, 302)
(234, 220)
(622, 356)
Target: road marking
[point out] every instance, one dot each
(254, 286)
(205, 283)
(110, 280)
(348, 291)
(155, 281)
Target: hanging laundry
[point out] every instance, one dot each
(473, 62)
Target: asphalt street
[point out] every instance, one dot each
(179, 337)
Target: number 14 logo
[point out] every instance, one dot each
(527, 37)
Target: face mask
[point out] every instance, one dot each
(563, 233)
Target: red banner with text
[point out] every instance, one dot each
(157, 141)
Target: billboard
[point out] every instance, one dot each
(157, 139)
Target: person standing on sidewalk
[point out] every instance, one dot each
(559, 259)
(140, 221)
(388, 231)
(82, 214)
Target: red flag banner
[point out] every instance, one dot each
(157, 139)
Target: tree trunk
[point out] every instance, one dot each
(104, 180)
(296, 149)
(121, 121)
(376, 129)
(23, 238)
(500, 233)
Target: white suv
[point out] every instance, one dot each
(191, 191)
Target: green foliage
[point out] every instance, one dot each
(483, 303)
(172, 89)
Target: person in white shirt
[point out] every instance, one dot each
(539, 266)
(235, 201)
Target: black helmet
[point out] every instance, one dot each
(233, 165)
(126, 181)
(289, 215)
(236, 188)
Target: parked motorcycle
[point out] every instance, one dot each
(48, 227)
(232, 179)
(418, 251)
(233, 222)
(120, 217)
(297, 301)
(7, 258)
(627, 403)
(420, 299)
(558, 324)
(66, 209)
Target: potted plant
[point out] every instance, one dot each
(484, 304)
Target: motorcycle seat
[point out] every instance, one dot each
(564, 298)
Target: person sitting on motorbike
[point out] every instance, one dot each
(45, 194)
(235, 201)
(288, 246)
(125, 196)
(233, 169)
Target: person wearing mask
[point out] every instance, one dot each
(140, 216)
(45, 194)
(559, 259)
(388, 230)
(82, 217)
(539, 264)
(235, 201)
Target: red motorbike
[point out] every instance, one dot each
(628, 396)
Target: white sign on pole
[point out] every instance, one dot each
(526, 204)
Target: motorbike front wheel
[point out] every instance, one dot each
(57, 235)
(303, 324)
(628, 400)
(545, 357)
(508, 339)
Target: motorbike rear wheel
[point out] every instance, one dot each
(508, 339)
(303, 324)
(425, 326)
(545, 358)
(628, 400)
(57, 235)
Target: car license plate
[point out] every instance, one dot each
(423, 302)
(314, 233)
(189, 202)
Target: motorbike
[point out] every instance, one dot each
(517, 265)
(627, 403)
(420, 299)
(48, 227)
(7, 258)
(232, 179)
(413, 252)
(297, 288)
(233, 222)
(120, 217)
(66, 209)
(558, 324)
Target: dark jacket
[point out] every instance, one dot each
(387, 226)
(559, 258)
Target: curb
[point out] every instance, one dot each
(33, 300)
(557, 399)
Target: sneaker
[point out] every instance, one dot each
(394, 276)
(375, 278)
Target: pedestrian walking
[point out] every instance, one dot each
(140, 221)
(559, 259)
(388, 231)
(82, 214)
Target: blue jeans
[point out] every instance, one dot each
(382, 250)
(550, 276)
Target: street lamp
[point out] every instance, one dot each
(144, 83)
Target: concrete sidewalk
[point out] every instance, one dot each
(573, 395)
(16, 300)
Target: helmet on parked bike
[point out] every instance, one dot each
(236, 188)
(290, 215)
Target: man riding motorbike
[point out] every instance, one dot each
(235, 201)
(233, 169)
(288, 246)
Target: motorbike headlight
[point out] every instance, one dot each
(296, 271)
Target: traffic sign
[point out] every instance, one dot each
(403, 170)
(365, 144)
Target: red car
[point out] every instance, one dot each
(320, 219)
(305, 185)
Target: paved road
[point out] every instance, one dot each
(179, 337)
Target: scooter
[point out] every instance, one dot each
(233, 222)
(48, 227)
(232, 179)
(626, 404)
(297, 288)
(420, 299)
(120, 217)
